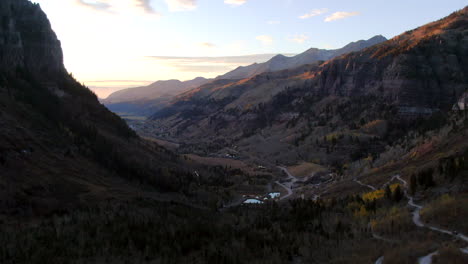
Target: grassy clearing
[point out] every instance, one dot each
(305, 169)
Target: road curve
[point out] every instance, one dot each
(379, 260)
(289, 185)
(418, 222)
(365, 185)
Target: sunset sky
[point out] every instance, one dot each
(115, 44)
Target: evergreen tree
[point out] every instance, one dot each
(397, 194)
(388, 193)
(413, 184)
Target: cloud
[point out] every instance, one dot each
(119, 7)
(234, 60)
(99, 5)
(273, 22)
(299, 38)
(235, 2)
(219, 69)
(206, 45)
(118, 81)
(340, 15)
(314, 12)
(181, 5)
(265, 39)
(145, 5)
(211, 65)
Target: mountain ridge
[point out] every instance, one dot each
(154, 90)
(281, 62)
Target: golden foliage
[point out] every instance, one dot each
(378, 194)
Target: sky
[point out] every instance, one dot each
(115, 44)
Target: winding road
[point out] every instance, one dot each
(418, 222)
(287, 185)
(365, 185)
(416, 217)
(379, 260)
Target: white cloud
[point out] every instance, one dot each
(119, 7)
(145, 5)
(96, 5)
(273, 22)
(181, 5)
(299, 38)
(206, 45)
(340, 15)
(265, 39)
(235, 2)
(315, 12)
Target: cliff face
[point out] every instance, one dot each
(27, 40)
(425, 67)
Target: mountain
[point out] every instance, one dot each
(60, 148)
(146, 100)
(281, 62)
(153, 91)
(286, 114)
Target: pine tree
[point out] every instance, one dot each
(397, 194)
(413, 184)
(388, 193)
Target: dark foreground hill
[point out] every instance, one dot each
(59, 147)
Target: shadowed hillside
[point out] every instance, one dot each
(59, 146)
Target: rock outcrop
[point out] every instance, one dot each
(425, 67)
(27, 39)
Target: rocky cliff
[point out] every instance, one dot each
(27, 39)
(425, 67)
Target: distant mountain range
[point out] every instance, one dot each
(155, 90)
(146, 100)
(281, 62)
